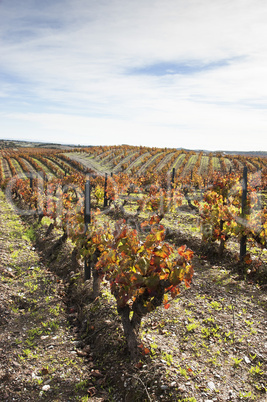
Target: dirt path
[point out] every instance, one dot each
(39, 359)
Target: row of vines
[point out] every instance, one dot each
(133, 160)
(140, 266)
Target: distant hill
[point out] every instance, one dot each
(248, 153)
(20, 144)
(35, 144)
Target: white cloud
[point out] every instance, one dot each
(149, 131)
(68, 68)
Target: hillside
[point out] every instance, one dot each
(135, 161)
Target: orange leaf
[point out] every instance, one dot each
(143, 224)
(181, 249)
(146, 351)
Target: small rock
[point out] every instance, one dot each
(81, 353)
(211, 385)
(182, 388)
(46, 387)
(44, 337)
(247, 360)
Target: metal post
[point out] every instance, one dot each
(243, 240)
(87, 206)
(105, 191)
(173, 175)
(87, 221)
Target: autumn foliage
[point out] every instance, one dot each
(142, 273)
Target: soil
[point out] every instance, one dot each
(59, 344)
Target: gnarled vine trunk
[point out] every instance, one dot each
(131, 330)
(131, 326)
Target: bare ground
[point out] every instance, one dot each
(56, 344)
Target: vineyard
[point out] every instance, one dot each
(143, 223)
(205, 189)
(134, 161)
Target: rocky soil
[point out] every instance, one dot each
(57, 344)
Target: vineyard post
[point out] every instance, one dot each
(41, 196)
(45, 179)
(171, 188)
(31, 181)
(173, 175)
(243, 240)
(105, 191)
(87, 221)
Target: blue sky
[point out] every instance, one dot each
(174, 73)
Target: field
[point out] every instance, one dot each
(65, 338)
(130, 159)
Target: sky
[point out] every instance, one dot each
(172, 73)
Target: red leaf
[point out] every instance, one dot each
(146, 351)
(139, 365)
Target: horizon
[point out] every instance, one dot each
(130, 145)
